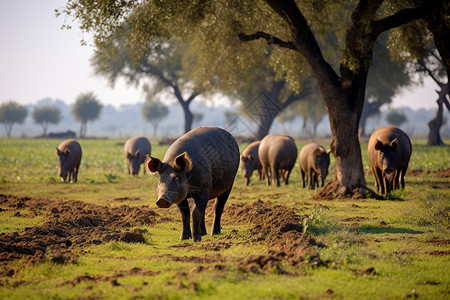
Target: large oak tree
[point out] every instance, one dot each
(217, 29)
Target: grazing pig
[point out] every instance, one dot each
(250, 161)
(389, 151)
(277, 154)
(314, 161)
(69, 153)
(136, 150)
(202, 165)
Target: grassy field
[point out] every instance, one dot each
(339, 249)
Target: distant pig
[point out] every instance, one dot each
(314, 161)
(202, 165)
(389, 151)
(69, 153)
(277, 154)
(136, 150)
(250, 161)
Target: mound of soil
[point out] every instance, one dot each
(70, 224)
(281, 228)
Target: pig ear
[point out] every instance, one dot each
(250, 157)
(58, 152)
(152, 164)
(242, 157)
(137, 153)
(67, 152)
(378, 145)
(317, 152)
(328, 152)
(183, 162)
(394, 144)
(129, 155)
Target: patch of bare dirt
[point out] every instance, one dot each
(70, 224)
(281, 228)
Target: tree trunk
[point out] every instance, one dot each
(188, 117)
(434, 136)
(8, 128)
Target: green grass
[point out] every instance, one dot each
(405, 238)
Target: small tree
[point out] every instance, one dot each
(10, 113)
(286, 118)
(46, 115)
(154, 112)
(396, 118)
(86, 108)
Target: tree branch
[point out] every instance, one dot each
(271, 40)
(405, 16)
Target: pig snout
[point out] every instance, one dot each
(163, 203)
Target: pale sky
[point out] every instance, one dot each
(40, 60)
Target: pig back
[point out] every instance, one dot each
(215, 158)
(137, 143)
(75, 151)
(386, 135)
(278, 150)
(307, 158)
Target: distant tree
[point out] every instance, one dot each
(86, 108)
(396, 118)
(10, 113)
(198, 118)
(230, 118)
(286, 118)
(154, 112)
(168, 66)
(385, 79)
(312, 111)
(433, 66)
(46, 115)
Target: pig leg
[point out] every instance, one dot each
(75, 174)
(316, 180)
(275, 176)
(286, 176)
(377, 173)
(203, 226)
(260, 175)
(198, 214)
(220, 204)
(266, 172)
(183, 207)
(402, 176)
(71, 174)
(303, 177)
(311, 181)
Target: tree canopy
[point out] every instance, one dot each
(46, 115)
(154, 111)
(12, 112)
(86, 108)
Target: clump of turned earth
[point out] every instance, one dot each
(70, 224)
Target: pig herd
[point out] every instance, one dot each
(202, 165)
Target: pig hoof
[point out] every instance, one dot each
(198, 238)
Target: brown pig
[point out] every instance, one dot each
(277, 154)
(69, 153)
(250, 161)
(314, 161)
(389, 151)
(202, 165)
(136, 150)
